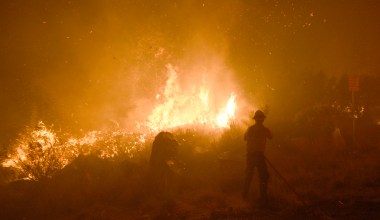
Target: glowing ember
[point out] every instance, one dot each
(179, 108)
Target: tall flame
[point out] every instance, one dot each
(228, 113)
(177, 107)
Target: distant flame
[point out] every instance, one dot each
(179, 108)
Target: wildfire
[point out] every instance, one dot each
(178, 107)
(39, 152)
(40, 137)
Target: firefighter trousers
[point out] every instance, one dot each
(256, 160)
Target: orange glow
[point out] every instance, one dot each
(42, 136)
(179, 107)
(107, 144)
(39, 152)
(203, 96)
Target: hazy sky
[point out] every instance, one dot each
(78, 64)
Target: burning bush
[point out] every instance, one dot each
(109, 144)
(38, 153)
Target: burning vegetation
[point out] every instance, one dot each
(39, 152)
(196, 162)
(137, 109)
(180, 108)
(195, 166)
(192, 169)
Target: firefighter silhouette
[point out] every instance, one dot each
(256, 137)
(163, 166)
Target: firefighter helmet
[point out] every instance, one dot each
(259, 115)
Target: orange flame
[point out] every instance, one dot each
(228, 113)
(179, 108)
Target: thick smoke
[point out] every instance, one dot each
(90, 64)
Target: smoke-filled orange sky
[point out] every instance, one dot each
(83, 64)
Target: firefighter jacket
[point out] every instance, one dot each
(256, 137)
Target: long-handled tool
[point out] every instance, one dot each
(287, 183)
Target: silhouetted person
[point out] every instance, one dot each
(162, 165)
(256, 137)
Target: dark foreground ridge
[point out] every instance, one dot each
(93, 188)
